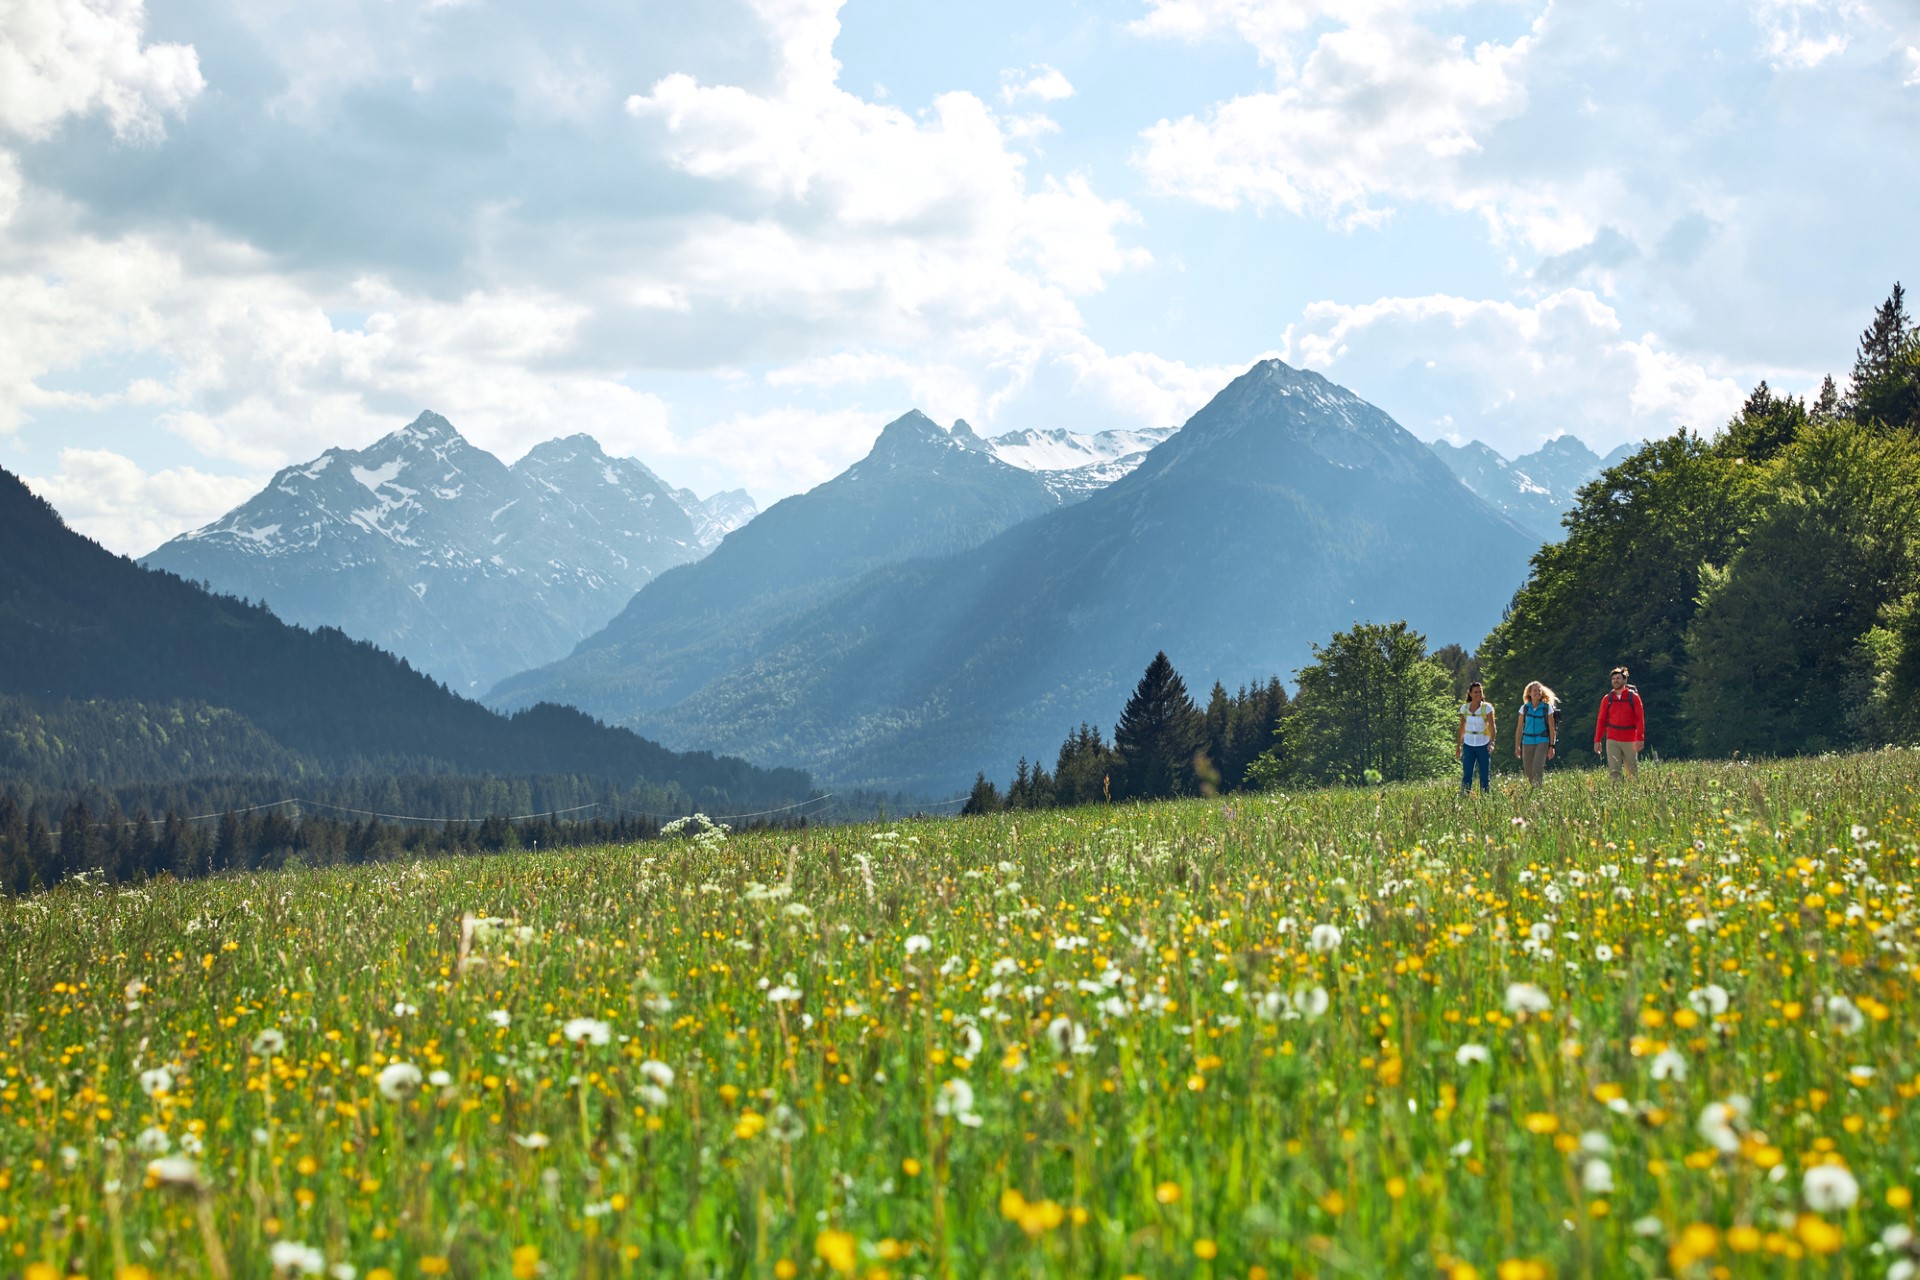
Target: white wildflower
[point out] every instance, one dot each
(1524, 997)
(1829, 1188)
(291, 1258)
(1325, 937)
(1469, 1053)
(399, 1081)
(1669, 1065)
(587, 1031)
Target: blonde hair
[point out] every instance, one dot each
(1546, 694)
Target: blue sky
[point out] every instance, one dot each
(733, 239)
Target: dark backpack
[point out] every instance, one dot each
(1632, 700)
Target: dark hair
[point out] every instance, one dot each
(1617, 671)
(1475, 685)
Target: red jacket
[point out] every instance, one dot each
(1622, 718)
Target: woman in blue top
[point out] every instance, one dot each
(1474, 743)
(1536, 731)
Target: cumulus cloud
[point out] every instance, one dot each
(1509, 374)
(109, 498)
(1382, 108)
(1798, 35)
(1043, 83)
(62, 58)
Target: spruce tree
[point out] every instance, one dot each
(985, 797)
(1158, 735)
(1885, 387)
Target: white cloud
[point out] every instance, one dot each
(1382, 109)
(787, 450)
(61, 58)
(1913, 62)
(1043, 83)
(1512, 375)
(107, 497)
(1798, 35)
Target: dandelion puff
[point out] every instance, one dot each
(153, 1142)
(156, 1081)
(176, 1173)
(1311, 1002)
(783, 994)
(399, 1081)
(1596, 1177)
(500, 1018)
(1471, 1053)
(917, 943)
(587, 1031)
(970, 1042)
(1524, 997)
(1603, 953)
(1325, 938)
(654, 1096)
(269, 1043)
(291, 1258)
(1669, 1065)
(1844, 1016)
(401, 1009)
(1711, 999)
(1829, 1188)
(533, 1141)
(1068, 1036)
(786, 1125)
(658, 1072)
(439, 1079)
(954, 1099)
(1716, 1126)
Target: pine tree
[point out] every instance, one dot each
(985, 797)
(1885, 387)
(1158, 735)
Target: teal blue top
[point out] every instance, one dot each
(1533, 722)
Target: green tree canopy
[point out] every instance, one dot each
(1371, 700)
(1621, 589)
(1780, 659)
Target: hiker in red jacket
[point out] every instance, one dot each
(1621, 730)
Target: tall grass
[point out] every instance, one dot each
(1659, 1029)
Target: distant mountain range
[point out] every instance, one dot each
(1536, 489)
(936, 610)
(1074, 465)
(437, 551)
(80, 623)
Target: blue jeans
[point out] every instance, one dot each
(1472, 757)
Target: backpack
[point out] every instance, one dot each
(1632, 699)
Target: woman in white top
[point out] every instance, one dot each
(1474, 742)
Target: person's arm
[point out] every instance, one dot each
(1639, 723)
(1600, 726)
(1460, 733)
(1553, 731)
(1519, 723)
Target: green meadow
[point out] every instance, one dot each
(1663, 1030)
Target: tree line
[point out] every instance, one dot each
(1763, 585)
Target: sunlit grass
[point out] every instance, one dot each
(1650, 1031)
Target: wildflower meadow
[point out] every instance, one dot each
(1664, 1029)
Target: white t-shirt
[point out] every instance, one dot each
(1477, 722)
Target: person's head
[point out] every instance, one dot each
(1536, 692)
(1618, 677)
(1474, 692)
